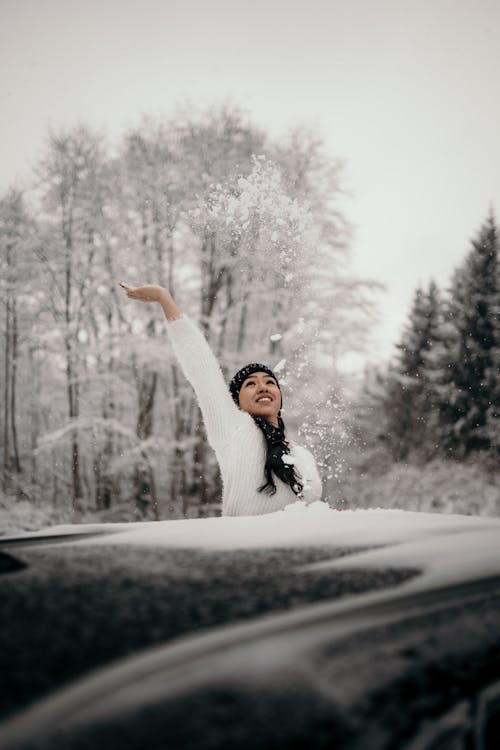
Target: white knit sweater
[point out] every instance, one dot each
(238, 443)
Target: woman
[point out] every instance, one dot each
(262, 472)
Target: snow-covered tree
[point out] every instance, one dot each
(410, 402)
(248, 236)
(471, 409)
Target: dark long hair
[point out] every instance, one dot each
(277, 449)
(276, 444)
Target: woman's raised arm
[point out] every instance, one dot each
(220, 414)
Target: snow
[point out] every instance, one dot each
(446, 548)
(280, 366)
(446, 559)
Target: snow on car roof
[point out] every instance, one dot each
(447, 548)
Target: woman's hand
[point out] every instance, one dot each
(154, 293)
(146, 293)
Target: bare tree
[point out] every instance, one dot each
(71, 188)
(14, 231)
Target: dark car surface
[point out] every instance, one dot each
(137, 644)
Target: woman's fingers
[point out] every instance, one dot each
(130, 290)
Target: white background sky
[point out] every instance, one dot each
(406, 93)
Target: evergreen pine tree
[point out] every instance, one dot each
(469, 413)
(439, 361)
(410, 398)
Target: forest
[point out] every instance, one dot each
(97, 421)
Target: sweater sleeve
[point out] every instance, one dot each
(199, 365)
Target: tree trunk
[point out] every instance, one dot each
(104, 483)
(228, 308)
(11, 461)
(72, 393)
(198, 489)
(212, 280)
(7, 400)
(35, 400)
(146, 497)
(71, 385)
(178, 474)
(13, 414)
(242, 327)
(145, 488)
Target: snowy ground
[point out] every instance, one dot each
(272, 605)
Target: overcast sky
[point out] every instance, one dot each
(405, 92)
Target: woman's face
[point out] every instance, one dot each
(260, 396)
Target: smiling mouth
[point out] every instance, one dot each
(264, 399)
